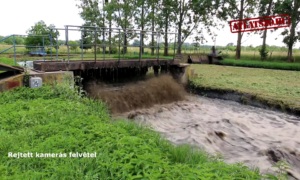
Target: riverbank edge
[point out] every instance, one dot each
(243, 98)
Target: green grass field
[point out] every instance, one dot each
(56, 120)
(261, 64)
(276, 86)
(7, 61)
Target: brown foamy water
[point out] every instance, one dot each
(241, 133)
(143, 94)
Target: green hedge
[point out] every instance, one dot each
(261, 64)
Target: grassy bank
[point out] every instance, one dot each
(261, 64)
(8, 61)
(56, 120)
(275, 87)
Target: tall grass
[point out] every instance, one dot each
(55, 119)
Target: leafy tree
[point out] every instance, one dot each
(230, 44)
(10, 41)
(123, 16)
(91, 12)
(93, 15)
(190, 14)
(154, 4)
(292, 8)
(74, 48)
(136, 43)
(141, 16)
(40, 28)
(166, 17)
(237, 9)
(87, 39)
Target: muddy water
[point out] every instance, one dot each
(142, 94)
(257, 137)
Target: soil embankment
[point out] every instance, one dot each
(246, 98)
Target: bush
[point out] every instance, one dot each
(113, 50)
(263, 53)
(259, 64)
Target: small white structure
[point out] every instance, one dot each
(35, 82)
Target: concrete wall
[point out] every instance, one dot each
(11, 82)
(182, 73)
(51, 77)
(48, 77)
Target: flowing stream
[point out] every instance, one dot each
(241, 133)
(257, 137)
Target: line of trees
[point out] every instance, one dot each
(10, 41)
(188, 18)
(184, 17)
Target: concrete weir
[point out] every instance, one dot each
(106, 71)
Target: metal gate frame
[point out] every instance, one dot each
(105, 30)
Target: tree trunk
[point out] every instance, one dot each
(166, 52)
(152, 29)
(291, 43)
(265, 31)
(292, 31)
(109, 37)
(142, 26)
(125, 43)
(179, 42)
(179, 29)
(239, 40)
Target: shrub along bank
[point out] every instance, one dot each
(261, 64)
(56, 120)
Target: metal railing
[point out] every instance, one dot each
(14, 44)
(96, 31)
(102, 31)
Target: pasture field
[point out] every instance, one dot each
(55, 119)
(276, 86)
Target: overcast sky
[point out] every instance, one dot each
(17, 16)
